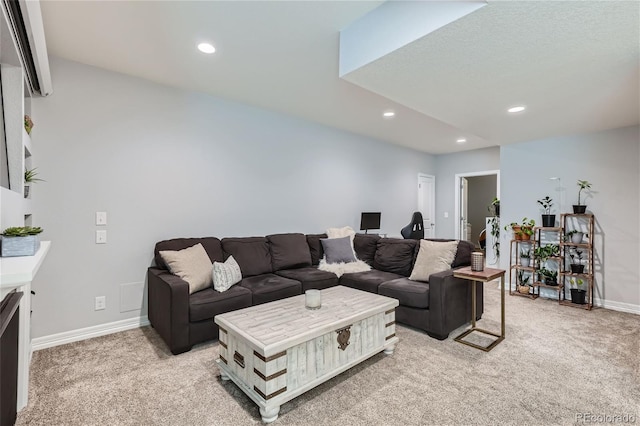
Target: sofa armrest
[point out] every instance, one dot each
(450, 302)
(169, 308)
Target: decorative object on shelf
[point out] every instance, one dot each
(576, 261)
(494, 210)
(477, 261)
(548, 219)
(526, 228)
(20, 241)
(577, 293)
(579, 208)
(313, 299)
(515, 227)
(523, 283)
(494, 207)
(28, 124)
(548, 277)
(525, 258)
(29, 178)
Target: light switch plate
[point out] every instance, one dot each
(101, 236)
(101, 218)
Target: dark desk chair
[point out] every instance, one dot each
(414, 230)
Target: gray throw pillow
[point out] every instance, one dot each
(338, 250)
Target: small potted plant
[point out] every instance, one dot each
(525, 257)
(576, 261)
(515, 227)
(28, 124)
(20, 241)
(494, 207)
(523, 283)
(526, 228)
(575, 236)
(29, 178)
(548, 277)
(577, 292)
(579, 208)
(548, 219)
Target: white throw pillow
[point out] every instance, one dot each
(433, 257)
(191, 264)
(226, 274)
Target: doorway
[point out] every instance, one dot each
(427, 203)
(474, 193)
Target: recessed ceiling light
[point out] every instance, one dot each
(461, 140)
(206, 48)
(518, 108)
(388, 114)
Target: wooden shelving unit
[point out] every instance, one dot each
(582, 223)
(541, 238)
(515, 267)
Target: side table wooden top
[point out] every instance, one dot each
(487, 274)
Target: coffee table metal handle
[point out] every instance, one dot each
(239, 359)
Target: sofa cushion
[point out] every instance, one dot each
(338, 250)
(395, 255)
(310, 277)
(211, 245)
(269, 287)
(289, 251)
(367, 281)
(463, 254)
(433, 257)
(206, 304)
(414, 294)
(315, 247)
(251, 253)
(226, 274)
(191, 264)
(365, 246)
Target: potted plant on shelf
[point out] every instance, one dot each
(577, 292)
(548, 277)
(20, 241)
(548, 219)
(494, 207)
(526, 228)
(579, 208)
(523, 283)
(28, 124)
(29, 178)
(525, 257)
(545, 252)
(575, 236)
(515, 227)
(576, 261)
(494, 221)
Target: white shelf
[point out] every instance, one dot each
(15, 271)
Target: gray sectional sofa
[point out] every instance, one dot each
(283, 265)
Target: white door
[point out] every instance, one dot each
(427, 203)
(464, 208)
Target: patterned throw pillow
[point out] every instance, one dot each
(226, 274)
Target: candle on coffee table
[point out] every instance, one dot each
(313, 299)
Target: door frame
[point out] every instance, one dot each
(457, 193)
(433, 201)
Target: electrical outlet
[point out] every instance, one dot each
(101, 236)
(101, 303)
(101, 218)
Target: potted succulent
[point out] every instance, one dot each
(20, 241)
(29, 178)
(579, 208)
(525, 257)
(576, 261)
(577, 293)
(548, 219)
(548, 277)
(523, 283)
(575, 236)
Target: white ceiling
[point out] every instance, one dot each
(574, 64)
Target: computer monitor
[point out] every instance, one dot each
(370, 220)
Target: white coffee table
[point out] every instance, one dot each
(279, 350)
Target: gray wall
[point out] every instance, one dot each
(482, 190)
(610, 160)
(166, 163)
(447, 166)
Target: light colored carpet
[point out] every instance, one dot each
(556, 362)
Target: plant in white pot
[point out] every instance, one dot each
(525, 257)
(577, 292)
(579, 208)
(575, 236)
(20, 241)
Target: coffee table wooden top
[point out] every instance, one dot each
(278, 325)
(487, 274)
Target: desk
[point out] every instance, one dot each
(488, 274)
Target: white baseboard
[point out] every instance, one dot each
(618, 306)
(87, 333)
